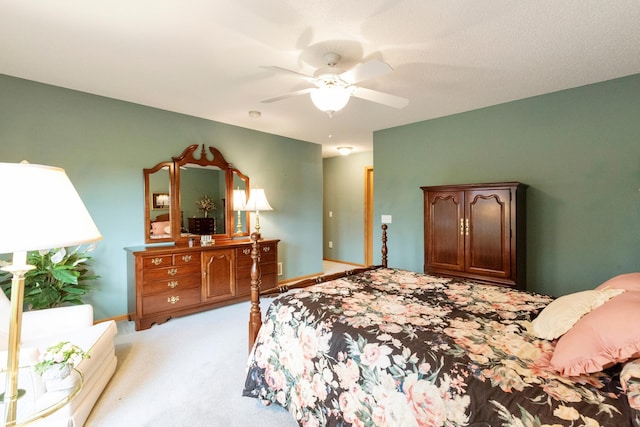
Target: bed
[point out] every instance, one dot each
(388, 347)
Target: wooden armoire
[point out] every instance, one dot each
(476, 231)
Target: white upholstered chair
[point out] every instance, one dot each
(44, 328)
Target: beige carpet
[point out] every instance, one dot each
(186, 372)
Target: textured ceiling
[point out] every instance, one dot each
(204, 57)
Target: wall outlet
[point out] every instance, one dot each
(330, 244)
(279, 269)
(330, 214)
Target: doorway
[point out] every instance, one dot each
(368, 215)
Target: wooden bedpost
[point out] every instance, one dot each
(384, 245)
(255, 315)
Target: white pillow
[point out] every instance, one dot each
(562, 313)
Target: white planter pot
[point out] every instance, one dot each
(57, 372)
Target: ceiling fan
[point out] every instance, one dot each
(334, 88)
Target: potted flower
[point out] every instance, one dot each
(60, 277)
(206, 204)
(58, 360)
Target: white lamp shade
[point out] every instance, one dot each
(257, 201)
(239, 200)
(330, 98)
(41, 210)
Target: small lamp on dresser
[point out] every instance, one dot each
(257, 202)
(239, 201)
(42, 195)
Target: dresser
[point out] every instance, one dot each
(476, 231)
(171, 281)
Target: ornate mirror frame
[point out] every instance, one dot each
(229, 222)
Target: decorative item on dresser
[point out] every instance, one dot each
(476, 231)
(257, 202)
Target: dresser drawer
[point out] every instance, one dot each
(268, 254)
(177, 283)
(157, 261)
(156, 274)
(187, 259)
(243, 272)
(268, 261)
(269, 280)
(170, 300)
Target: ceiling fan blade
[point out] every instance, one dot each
(284, 70)
(380, 97)
(366, 71)
(287, 95)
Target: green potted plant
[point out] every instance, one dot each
(61, 277)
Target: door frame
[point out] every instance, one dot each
(368, 215)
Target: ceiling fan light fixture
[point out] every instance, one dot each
(330, 98)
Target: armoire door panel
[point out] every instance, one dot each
(487, 246)
(446, 243)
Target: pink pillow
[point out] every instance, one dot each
(628, 282)
(607, 335)
(158, 227)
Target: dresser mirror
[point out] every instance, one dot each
(194, 195)
(157, 203)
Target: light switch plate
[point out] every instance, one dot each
(385, 219)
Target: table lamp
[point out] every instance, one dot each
(257, 202)
(43, 211)
(239, 200)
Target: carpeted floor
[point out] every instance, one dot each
(186, 372)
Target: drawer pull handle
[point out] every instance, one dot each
(266, 249)
(172, 284)
(173, 300)
(186, 258)
(156, 261)
(172, 271)
(246, 251)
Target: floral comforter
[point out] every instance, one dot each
(396, 348)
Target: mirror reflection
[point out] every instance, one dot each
(202, 199)
(158, 203)
(240, 195)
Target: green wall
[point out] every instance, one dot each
(578, 150)
(104, 144)
(344, 197)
